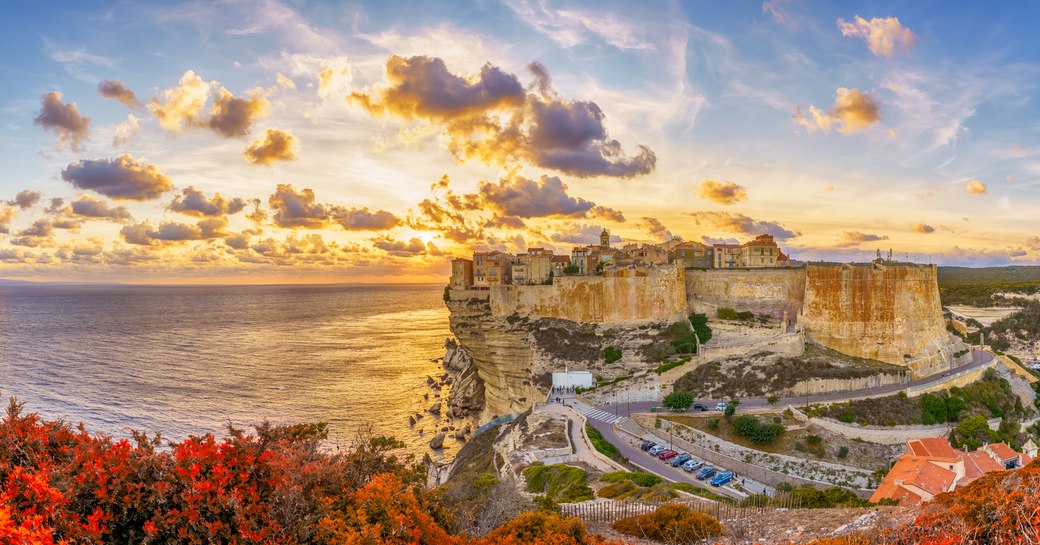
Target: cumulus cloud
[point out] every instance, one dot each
(577, 233)
(182, 105)
(64, 120)
(546, 197)
(333, 76)
(25, 199)
(655, 228)
(285, 81)
(144, 234)
(39, 234)
(885, 37)
(975, 187)
(275, 146)
(7, 213)
(192, 202)
(361, 219)
(116, 90)
(405, 248)
(89, 207)
(232, 116)
(297, 209)
(126, 131)
(852, 238)
(853, 111)
(121, 178)
(739, 223)
(922, 228)
(721, 192)
(491, 117)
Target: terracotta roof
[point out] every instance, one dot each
(935, 447)
(934, 478)
(561, 259)
(782, 257)
(1002, 451)
(906, 470)
(977, 464)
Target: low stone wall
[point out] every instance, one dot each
(787, 344)
(960, 379)
(818, 386)
(1017, 369)
(711, 449)
(885, 435)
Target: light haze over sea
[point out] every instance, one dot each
(187, 360)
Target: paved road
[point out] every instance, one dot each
(979, 359)
(604, 417)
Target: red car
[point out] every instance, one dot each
(667, 454)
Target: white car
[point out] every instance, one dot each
(720, 406)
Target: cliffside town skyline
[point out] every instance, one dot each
(540, 265)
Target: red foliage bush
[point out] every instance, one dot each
(671, 523)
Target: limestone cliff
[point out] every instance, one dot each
(501, 365)
(883, 311)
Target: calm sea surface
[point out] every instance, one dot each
(183, 360)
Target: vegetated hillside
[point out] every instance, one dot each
(977, 286)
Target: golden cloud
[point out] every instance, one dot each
(491, 117)
(853, 111)
(25, 199)
(975, 187)
(923, 228)
(853, 238)
(116, 90)
(885, 37)
(297, 209)
(121, 178)
(91, 208)
(180, 106)
(335, 73)
(655, 228)
(232, 116)
(721, 192)
(64, 120)
(739, 223)
(7, 213)
(275, 146)
(192, 202)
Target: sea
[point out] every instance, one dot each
(192, 360)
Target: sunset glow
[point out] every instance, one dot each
(275, 142)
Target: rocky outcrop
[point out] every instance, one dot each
(502, 365)
(882, 311)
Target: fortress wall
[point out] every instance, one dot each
(626, 296)
(879, 311)
(762, 291)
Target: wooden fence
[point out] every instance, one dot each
(608, 512)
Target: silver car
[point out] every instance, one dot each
(691, 465)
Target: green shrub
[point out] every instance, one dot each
(601, 445)
(763, 433)
(700, 327)
(559, 483)
(611, 354)
(676, 524)
(773, 399)
(726, 313)
(447, 293)
(642, 479)
(843, 452)
(731, 408)
(678, 401)
(713, 424)
(670, 365)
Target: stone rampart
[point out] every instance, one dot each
(762, 291)
(883, 311)
(654, 294)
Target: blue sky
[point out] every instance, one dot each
(842, 127)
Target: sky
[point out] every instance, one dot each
(281, 141)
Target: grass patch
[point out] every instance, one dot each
(603, 446)
(642, 479)
(630, 491)
(560, 483)
(670, 365)
(696, 491)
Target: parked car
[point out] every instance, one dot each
(699, 407)
(680, 459)
(722, 478)
(667, 455)
(720, 406)
(705, 473)
(647, 445)
(691, 465)
(655, 450)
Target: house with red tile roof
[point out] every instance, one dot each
(932, 466)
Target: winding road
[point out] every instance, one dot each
(603, 417)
